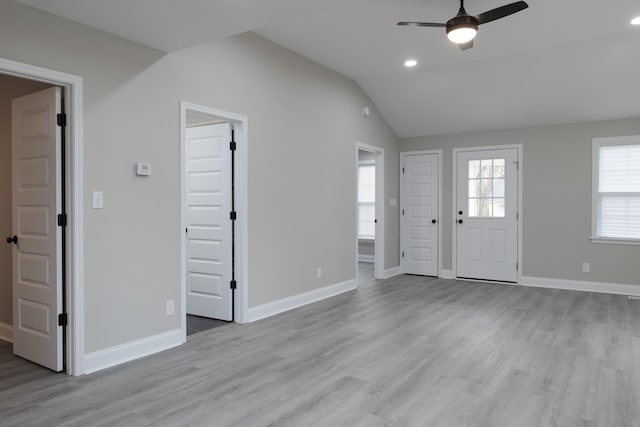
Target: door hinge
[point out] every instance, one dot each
(402, 254)
(62, 319)
(233, 284)
(62, 220)
(516, 266)
(402, 211)
(517, 216)
(61, 119)
(517, 164)
(232, 215)
(402, 170)
(233, 146)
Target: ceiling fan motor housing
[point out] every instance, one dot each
(462, 21)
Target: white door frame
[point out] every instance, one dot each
(240, 126)
(454, 193)
(74, 256)
(403, 155)
(378, 243)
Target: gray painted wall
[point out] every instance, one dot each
(10, 88)
(297, 110)
(556, 201)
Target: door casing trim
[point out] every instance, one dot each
(72, 86)
(454, 195)
(241, 125)
(403, 156)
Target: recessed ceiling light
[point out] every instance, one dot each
(635, 21)
(409, 63)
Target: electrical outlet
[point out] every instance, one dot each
(171, 307)
(319, 272)
(586, 267)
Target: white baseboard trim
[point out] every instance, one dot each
(113, 356)
(446, 274)
(280, 306)
(579, 285)
(366, 258)
(6, 332)
(390, 272)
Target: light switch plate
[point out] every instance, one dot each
(393, 202)
(97, 200)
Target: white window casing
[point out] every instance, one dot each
(616, 190)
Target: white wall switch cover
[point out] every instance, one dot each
(393, 202)
(97, 199)
(143, 169)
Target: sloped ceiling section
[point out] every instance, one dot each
(555, 62)
(170, 25)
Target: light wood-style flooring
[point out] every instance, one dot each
(407, 351)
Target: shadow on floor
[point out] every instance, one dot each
(197, 324)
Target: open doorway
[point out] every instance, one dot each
(41, 178)
(369, 212)
(213, 292)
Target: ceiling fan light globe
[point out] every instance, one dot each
(461, 35)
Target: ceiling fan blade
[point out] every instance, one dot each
(422, 24)
(465, 46)
(501, 12)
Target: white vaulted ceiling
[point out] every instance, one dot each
(556, 62)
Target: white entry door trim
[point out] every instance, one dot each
(378, 243)
(454, 198)
(73, 94)
(403, 158)
(240, 125)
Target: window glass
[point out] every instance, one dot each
(486, 185)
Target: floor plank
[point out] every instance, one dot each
(404, 351)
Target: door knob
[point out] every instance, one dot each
(13, 240)
(460, 221)
(459, 212)
(433, 221)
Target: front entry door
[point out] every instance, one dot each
(486, 216)
(419, 215)
(36, 194)
(208, 195)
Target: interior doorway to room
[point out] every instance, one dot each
(33, 268)
(486, 229)
(369, 212)
(209, 215)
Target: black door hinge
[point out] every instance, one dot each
(232, 215)
(233, 146)
(233, 284)
(62, 119)
(62, 319)
(62, 220)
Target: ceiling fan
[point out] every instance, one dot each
(462, 28)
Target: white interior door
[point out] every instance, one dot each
(208, 196)
(487, 214)
(37, 280)
(419, 214)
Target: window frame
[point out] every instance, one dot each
(597, 143)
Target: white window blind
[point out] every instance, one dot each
(618, 192)
(366, 201)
